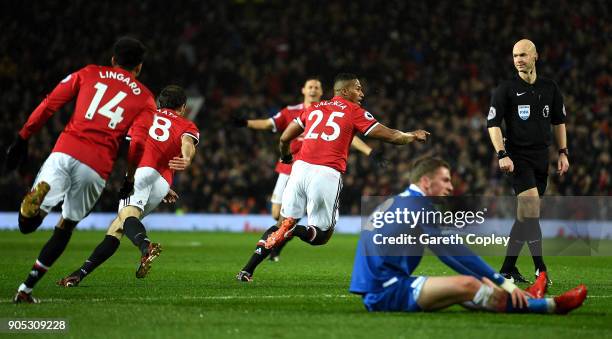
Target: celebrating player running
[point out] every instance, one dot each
(155, 143)
(314, 186)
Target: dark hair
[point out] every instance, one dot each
(172, 96)
(426, 166)
(344, 77)
(128, 52)
(313, 77)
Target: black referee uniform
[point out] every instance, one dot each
(528, 111)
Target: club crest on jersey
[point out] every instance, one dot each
(492, 113)
(523, 111)
(545, 111)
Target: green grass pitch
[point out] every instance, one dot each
(191, 292)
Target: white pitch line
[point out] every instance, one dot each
(224, 297)
(220, 297)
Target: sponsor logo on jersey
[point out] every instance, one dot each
(545, 111)
(492, 113)
(523, 111)
(519, 94)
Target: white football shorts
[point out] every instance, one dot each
(312, 190)
(72, 182)
(150, 188)
(279, 188)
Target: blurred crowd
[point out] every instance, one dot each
(425, 64)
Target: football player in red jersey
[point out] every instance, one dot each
(312, 92)
(160, 144)
(315, 182)
(108, 100)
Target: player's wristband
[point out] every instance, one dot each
(286, 159)
(564, 151)
(508, 286)
(502, 154)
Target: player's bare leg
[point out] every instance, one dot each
(30, 214)
(100, 254)
(442, 292)
(50, 252)
(276, 211)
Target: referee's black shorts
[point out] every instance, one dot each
(530, 170)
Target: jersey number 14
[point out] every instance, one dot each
(110, 110)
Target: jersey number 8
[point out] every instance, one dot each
(160, 124)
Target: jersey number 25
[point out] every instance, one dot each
(318, 116)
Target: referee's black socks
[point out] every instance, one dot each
(534, 242)
(514, 247)
(529, 231)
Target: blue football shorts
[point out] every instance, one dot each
(399, 295)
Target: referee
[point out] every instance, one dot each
(529, 105)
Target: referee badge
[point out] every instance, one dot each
(492, 113)
(523, 112)
(545, 111)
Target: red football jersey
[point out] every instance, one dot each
(108, 99)
(159, 136)
(281, 120)
(329, 128)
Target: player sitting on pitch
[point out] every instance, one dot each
(386, 283)
(155, 142)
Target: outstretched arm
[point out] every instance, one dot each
(187, 153)
(256, 124)
(260, 124)
(397, 137)
(461, 259)
(361, 146)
